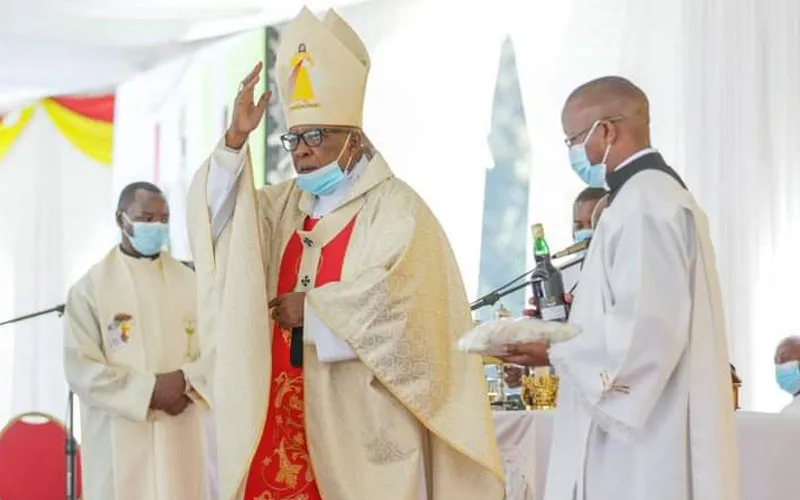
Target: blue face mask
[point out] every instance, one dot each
(592, 175)
(788, 376)
(148, 237)
(582, 235)
(323, 180)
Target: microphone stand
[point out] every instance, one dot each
(70, 450)
(492, 297)
(57, 309)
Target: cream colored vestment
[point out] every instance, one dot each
(408, 399)
(126, 320)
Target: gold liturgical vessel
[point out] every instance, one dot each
(540, 389)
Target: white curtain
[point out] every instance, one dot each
(55, 222)
(722, 77)
(428, 106)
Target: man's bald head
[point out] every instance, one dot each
(618, 110)
(610, 95)
(788, 350)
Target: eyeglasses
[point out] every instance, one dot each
(569, 141)
(311, 137)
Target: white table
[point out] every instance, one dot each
(768, 453)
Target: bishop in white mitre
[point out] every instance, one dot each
(383, 406)
(645, 407)
(131, 355)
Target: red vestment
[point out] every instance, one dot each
(281, 469)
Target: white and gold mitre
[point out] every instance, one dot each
(321, 71)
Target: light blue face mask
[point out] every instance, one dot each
(323, 180)
(582, 235)
(592, 175)
(788, 376)
(148, 237)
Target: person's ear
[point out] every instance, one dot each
(355, 139)
(121, 223)
(612, 132)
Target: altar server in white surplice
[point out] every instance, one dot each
(132, 357)
(645, 409)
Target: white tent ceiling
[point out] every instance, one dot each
(52, 47)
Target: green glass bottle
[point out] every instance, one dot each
(540, 247)
(548, 285)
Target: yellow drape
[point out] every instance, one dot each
(92, 137)
(9, 133)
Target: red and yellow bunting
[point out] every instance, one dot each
(11, 126)
(86, 122)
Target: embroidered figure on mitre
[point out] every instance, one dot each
(301, 85)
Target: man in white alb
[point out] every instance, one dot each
(645, 408)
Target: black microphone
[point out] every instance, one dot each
(573, 249)
(296, 347)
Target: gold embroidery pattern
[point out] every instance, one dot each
(189, 330)
(403, 315)
(383, 449)
(287, 470)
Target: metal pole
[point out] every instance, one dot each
(70, 451)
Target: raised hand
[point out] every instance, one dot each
(247, 114)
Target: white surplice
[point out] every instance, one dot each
(650, 309)
(792, 408)
(226, 165)
(128, 451)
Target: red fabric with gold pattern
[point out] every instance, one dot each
(32, 460)
(281, 469)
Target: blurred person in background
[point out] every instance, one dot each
(787, 371)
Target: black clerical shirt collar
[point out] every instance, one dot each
(649, 161)
(137, 256)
